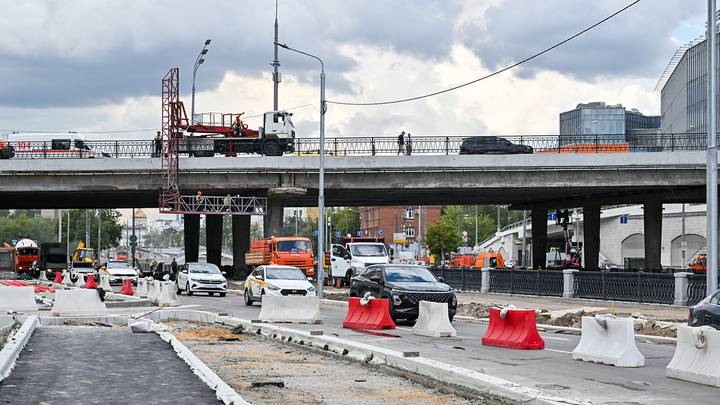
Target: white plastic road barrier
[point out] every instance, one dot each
(294, 309)
(142, 287)
(80, 283)
(168, 294)
(433, 320)
(697, 355)
(66, 278)
(155, 291)
(105, 282)
(42, 276)
(608, 340)
(76, 302)
(17, 299)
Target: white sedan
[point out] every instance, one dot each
(201, 277)
(119, 270)
(276, 280)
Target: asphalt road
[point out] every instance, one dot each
(551, 370)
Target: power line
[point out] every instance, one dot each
(495, 73)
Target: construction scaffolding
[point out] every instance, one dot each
(171, 201)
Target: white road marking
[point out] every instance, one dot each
(558, 351)
(555, 338)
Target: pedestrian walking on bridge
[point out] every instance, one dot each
(401, 143)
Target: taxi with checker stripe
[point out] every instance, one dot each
(276, 280)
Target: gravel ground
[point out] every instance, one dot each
(307, 377)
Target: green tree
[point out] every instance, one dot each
(22, 225)
(346, 220)
(462, 217)
(442, 237)
(111, 231)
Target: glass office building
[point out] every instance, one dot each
(599, 122)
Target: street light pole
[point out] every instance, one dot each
(321, 173)
(711, 165)
(198, 61)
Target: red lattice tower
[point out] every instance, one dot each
(169, 193)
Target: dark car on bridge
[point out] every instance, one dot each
(706, 312)
(405, 286)
(479, 145)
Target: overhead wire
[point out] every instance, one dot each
(489, 75)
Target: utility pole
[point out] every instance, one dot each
(99, 215)
(60, 218)
(524, 243)
(67, 238)
(683, 243)
(276, 63)
(133, 239)
(498, 219)
(87, 228)
(711, 165)
(476, 226)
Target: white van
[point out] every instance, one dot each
(347, 261)
(50, 145)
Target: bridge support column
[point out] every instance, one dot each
(273, 220)
(213, 239)
(539, 237)
(191, 233)
(652, 219)
(591, 236)
(240, 244)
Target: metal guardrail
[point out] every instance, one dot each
(530, 282)
(625, 286)
(388, 146)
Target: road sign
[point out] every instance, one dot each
(552, 216)
(315, 233)
(683, 246)
(623, 219)
(337, 234)
(399, 237)
(381, 232)
(133, 238)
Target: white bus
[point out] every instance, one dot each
(50, 144)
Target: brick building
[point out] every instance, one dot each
(385, 221)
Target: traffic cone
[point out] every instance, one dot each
(90, 283)
(127, 287)
(58, 277)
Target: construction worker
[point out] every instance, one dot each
(158, 144)
(227, 202)
(238, 126)
(173, 269)
(199, 200)
(401, 143)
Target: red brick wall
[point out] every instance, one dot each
(393, 219)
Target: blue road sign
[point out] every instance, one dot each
(623, 219)
(359, 233)
(552, 216)
(381, 232)
(337, 234)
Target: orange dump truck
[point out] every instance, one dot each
(288, 251)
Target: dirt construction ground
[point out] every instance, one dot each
(267, 372)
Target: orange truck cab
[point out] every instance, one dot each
(288, 251)
(494, 260)
(699, 264)
(26, 256)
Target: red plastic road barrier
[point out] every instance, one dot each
(375, 315)
(517, 331)
(90, 283)
(127, 287)
(42, 288)
(58, 277)
(13, 283)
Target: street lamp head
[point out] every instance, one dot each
(204, 51)
(201, 61)
(207, 42)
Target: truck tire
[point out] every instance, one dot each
(348, 277)
(272, 148)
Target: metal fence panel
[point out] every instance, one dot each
(501, 281)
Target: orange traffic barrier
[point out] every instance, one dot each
(374, 315)
(127, 287)
(90, 282)
(517, 330)
(58, 277)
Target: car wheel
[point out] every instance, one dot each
(211, 294)
(451, 318)
(223, 294)
(248, 300)
(179, 291)
(189, 291)
(348, 277)
(262, 294)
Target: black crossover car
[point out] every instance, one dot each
(405, 286)
(478, 145)
(706, 312)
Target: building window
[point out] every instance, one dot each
(409, 213)
(410, 231)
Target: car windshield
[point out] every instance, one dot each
(368, 250)
(409, 274)
(119, 266)
(276, 273)
(204, 269)
(27, 251)
(293, 246)
(85, 254)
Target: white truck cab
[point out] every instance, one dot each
(347, 261)
(277, 124)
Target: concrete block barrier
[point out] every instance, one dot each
(433, 320)
(168, 294)
(42, 276)
(374, 315)
(697, 356)
(105, 282)
(78, 302)
(142, 287)
(80, 282)
(515, 330)
(17, 299)
(294, 309)
(66, 278)
(608, 340)
(154, 291)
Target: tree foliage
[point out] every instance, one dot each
(19, 226)
(442, 237)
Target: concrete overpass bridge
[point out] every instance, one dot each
(538, 182)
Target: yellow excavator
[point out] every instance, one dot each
(84, 256)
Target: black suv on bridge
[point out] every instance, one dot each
(405, 286)
(491, 144)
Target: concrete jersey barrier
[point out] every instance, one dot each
(433, 320)
(105, 282)
(168, 295)
(17, 299)
(608, 340)
(697, 356)
(142, 287)
(78, 302)
(294, 309)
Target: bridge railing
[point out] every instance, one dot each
(388, 146)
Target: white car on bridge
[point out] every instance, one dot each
(276, 280)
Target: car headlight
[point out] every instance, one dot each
(396, 299)
(311, 289)
(272, 287)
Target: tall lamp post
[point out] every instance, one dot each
(321, 171)
(711, 164)
(198, 61)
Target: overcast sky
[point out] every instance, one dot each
(96, 65)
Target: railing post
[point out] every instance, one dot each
(116, 149)
(485, 280)
(537, 281)
(569, 283)
(447, 145)
(512, 281)
(372, 146)
(336, 152)
(672, 142)
(639, 286)
(604, 289)
(597, 146)
(44, 150)
(681, 288)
